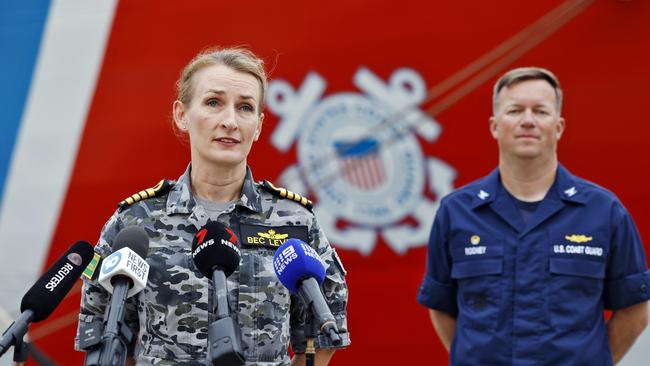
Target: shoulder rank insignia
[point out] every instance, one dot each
(285, 193)
(159, 189)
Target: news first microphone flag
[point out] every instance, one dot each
(124, 262)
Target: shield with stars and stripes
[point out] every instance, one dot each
(360, 163)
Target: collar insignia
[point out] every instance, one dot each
(483, 195)
(571, 191)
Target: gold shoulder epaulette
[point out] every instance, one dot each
(285, 193)
(159, 189)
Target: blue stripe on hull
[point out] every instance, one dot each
(21, 29)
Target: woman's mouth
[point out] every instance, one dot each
(227, 141)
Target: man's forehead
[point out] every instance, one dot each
(537, 89)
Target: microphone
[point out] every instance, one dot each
(48, 292)
(301, 271)
(126, 266)
(215, 247)
(123, 273)
(216, 255)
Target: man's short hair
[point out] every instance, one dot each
(518, 75)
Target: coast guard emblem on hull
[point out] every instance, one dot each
(359, 155)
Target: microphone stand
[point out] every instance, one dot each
(311, 332)
(14, 334)
(224, 335)
(328, 328)
(112, 350)
(22, 349)
(20, 352)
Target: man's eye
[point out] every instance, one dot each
(512, 111)
(212, 102)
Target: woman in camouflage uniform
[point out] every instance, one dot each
(219, 110)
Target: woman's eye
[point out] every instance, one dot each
(247, 108)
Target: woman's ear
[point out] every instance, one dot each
(180, 115)
(258, 131)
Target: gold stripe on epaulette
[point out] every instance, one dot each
(161, 188)
(285, 193)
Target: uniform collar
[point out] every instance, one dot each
(250, 196)
(565, 188)
(568, 187)
(181, 199)
(487, 190)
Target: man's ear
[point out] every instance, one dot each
(180, 115)
(493, 128)
(559, 129)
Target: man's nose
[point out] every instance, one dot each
(528, 119)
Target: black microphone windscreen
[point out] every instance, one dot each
(134, 238)
(215, 247)
(51, 288)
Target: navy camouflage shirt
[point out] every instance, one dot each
(170, 317)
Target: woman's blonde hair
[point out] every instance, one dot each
(237, 58)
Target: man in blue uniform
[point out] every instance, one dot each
(522, 263)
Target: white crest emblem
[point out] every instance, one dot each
(571, 191)
(360, 157)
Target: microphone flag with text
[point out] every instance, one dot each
(48, 292)
(124, 273)
(216, 255)
(301, 271)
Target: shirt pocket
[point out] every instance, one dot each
(175, 304)
(263, 307)
(479, 292)
(576, 287)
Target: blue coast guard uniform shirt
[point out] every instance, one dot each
(533, 294)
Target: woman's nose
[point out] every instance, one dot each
(228, 118)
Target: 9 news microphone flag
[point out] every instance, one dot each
(300, 270)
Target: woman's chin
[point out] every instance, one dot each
(226, 160)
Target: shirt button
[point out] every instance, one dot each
(643, 288)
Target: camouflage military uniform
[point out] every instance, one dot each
(170, 316)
